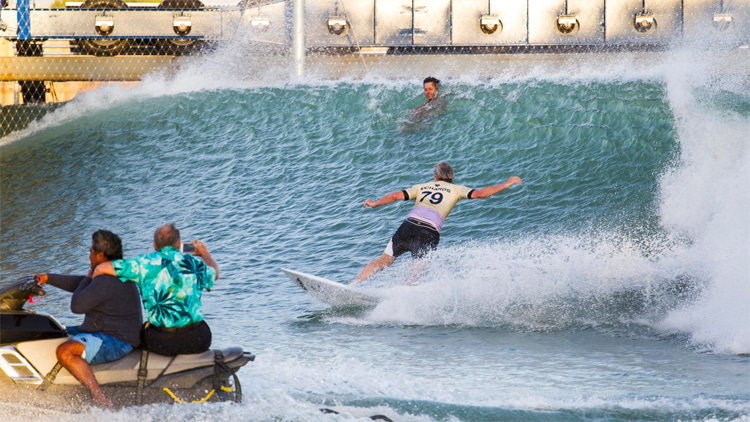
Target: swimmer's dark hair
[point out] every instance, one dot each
(436, 81)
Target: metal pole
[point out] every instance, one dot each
(298, 42)
(24, 20)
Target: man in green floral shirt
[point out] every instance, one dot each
(171, 284)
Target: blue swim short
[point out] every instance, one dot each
(100, 347)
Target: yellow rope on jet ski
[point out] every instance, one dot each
(210, 393)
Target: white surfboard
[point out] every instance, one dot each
(332, 293)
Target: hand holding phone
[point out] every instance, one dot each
(188, 247)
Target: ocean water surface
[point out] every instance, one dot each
(611, 285)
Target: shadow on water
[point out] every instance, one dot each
(326, 315)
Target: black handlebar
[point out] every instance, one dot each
(36, 289)
(15, 295)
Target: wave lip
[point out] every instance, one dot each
(704, 196)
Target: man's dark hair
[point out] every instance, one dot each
(107, 242)
(436, 81)
(168, 237)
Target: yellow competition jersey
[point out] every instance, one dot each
(435, 200)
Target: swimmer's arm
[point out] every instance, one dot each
(491, 190)
(391, 197)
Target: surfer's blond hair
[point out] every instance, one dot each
(444, 171)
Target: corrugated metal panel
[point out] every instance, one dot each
(698, 16)
(542, 16)
(432, 20)
(669, 17)
(740, 9)
(361, 16)
(412, 22)
(393, 22)
(590, 14)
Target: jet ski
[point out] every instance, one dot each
(29, 340)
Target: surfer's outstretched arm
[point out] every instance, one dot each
(491, 190)
(391, 197)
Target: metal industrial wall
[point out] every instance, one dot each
(397, 23)
(406, 23)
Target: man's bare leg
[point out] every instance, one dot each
(417, 268)
(70, 355)
(374, 267)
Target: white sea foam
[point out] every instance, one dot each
(706, 196)
(546, 283)
(281, 378)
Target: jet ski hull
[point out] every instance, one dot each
(28, 344)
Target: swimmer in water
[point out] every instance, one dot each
(431, 90)
(434, 106)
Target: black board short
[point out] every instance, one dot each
(413, 236)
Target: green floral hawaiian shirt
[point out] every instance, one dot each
(171, 285)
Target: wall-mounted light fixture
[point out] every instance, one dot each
(644, 23)
(567, 24)
(260, 24)
(338, 25)
(182, 24)
(489, 24)
(104, 24)
(723, 22)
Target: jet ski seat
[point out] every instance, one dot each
(207, 358)
(125, 370)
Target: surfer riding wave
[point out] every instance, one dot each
(420, 232)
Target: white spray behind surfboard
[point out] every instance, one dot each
(706, 197)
